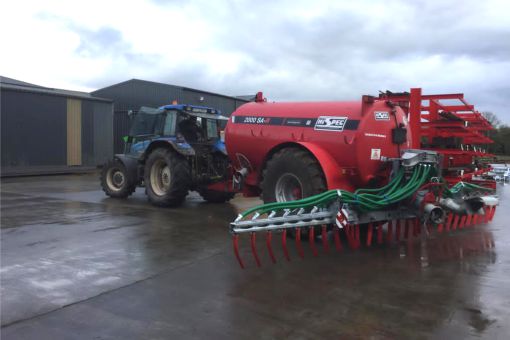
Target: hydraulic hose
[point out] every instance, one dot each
(367, 199)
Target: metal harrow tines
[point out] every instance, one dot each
(291, 221)
(325, 223)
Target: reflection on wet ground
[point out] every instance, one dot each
(78, 265)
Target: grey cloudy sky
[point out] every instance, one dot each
(292, 50)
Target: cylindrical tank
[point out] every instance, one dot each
(348, 139)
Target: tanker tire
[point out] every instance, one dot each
(213, 196)
(115, 180)
(167, 178)
(299, 163)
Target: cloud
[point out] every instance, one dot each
(293, 50)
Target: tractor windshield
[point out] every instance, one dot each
(145, 121)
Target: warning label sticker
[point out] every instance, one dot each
(382, 115)
(375, 154)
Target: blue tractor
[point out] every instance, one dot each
(172, 150)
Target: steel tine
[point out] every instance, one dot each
(493, 212)
(358, 242)
(311, 240)
(462, 221)
(349, 235)
(299, 246)
(449, 221)
(324, 237)
(269, 237)
(468, 220)
(389, 235)
(336, 236)
(486, 216)
(235, 240)
(369, 234)
(410, 230)
(284, 244)
(455, 222)
(380, 233)
(440, 227)
(398, 230)
(353, 235)
(429, 228)
(254, 248)
(416, 227)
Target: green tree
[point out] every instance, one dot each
(500, 135)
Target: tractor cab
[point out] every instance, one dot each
(185, 126)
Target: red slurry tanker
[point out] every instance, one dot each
(385, 167)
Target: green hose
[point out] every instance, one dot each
(367, 199)
(397, 190)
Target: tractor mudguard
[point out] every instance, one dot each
(220, 146)
(329, 165)
(182, 148)
(131, 165)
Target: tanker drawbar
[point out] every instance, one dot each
(416, 200)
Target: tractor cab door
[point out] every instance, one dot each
(146, 126)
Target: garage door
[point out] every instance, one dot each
(74, 132)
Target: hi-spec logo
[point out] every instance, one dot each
(327, 123)
(383, 115)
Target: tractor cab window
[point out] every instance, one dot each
(145, 122)
(190, 128)
(212, 129)
(169, 124)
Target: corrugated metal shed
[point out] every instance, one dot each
(47, 130)
(135, 93)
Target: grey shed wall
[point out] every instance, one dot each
(34, 132)
(135, 93)
(33, 129)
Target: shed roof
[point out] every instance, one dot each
(11, 84)
(134, 80)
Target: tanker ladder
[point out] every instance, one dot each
(415, 201)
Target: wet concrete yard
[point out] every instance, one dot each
(78, 265)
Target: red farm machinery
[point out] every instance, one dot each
(377, 170)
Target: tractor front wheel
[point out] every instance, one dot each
(115, 180)
(167, 178)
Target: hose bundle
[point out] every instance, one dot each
(396, 190)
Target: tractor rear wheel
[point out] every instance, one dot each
(167, 178)
(115, 180)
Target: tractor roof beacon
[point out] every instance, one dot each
(171, 150)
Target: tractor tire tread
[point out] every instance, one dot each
(127, 191)
(180, 178)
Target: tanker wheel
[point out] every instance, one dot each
(115, 180)
(292, 174)
(167, 178)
